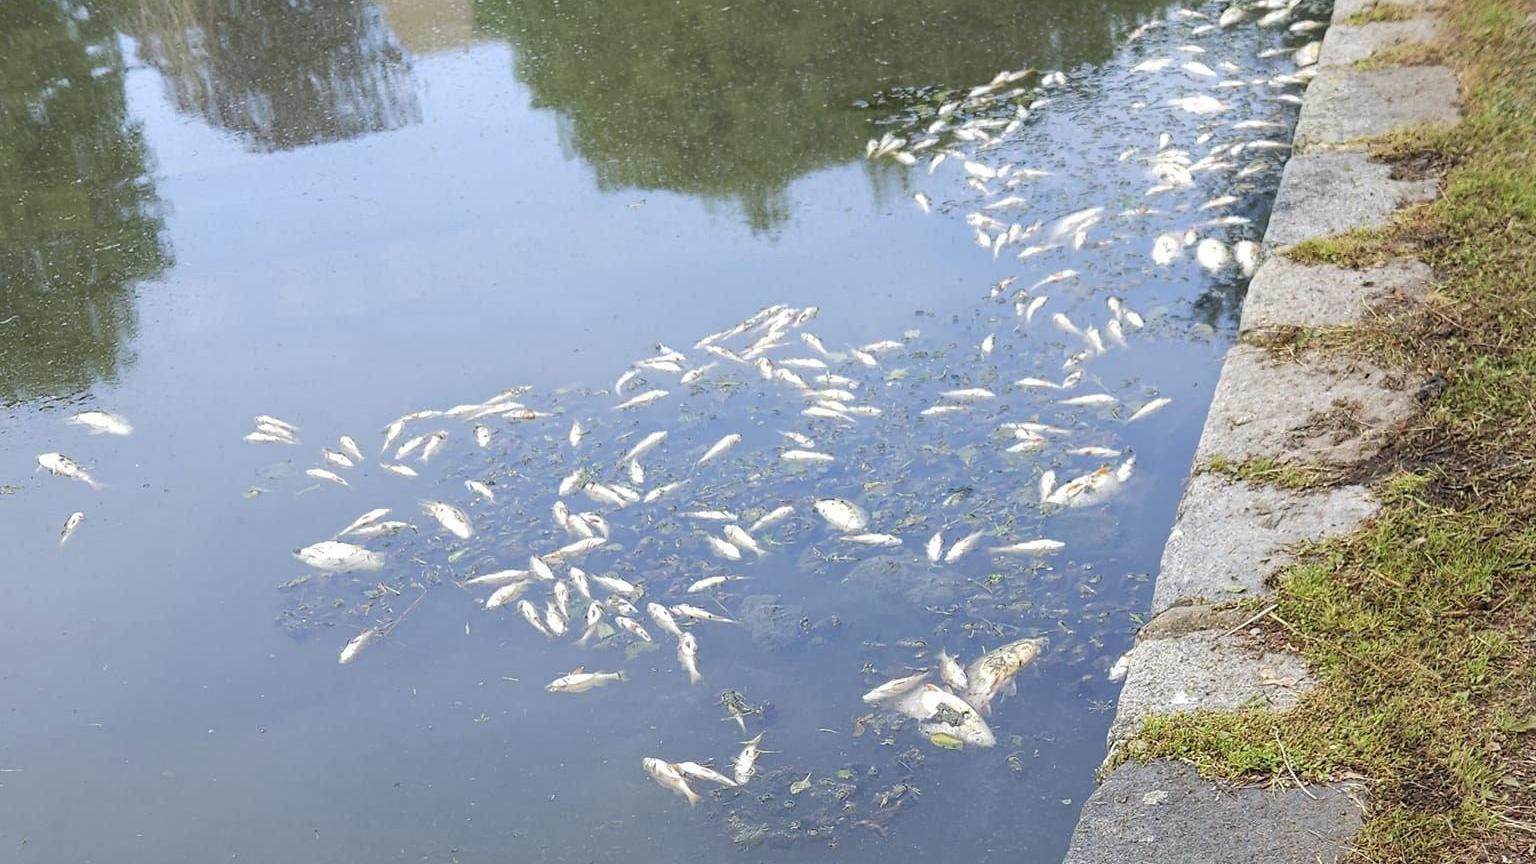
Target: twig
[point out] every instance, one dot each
(1290, 769)
(1265, 611)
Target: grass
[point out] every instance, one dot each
(1421, 627)
(1383, 12)
(1402, 54)
(1273, 472)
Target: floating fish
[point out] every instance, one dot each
(334, 556)
(453, 520)
(688, 656)
(988, 673)
(102, 423)
(355, 645)
(843, 515)
(62, 466)
(670, 778)
(744, 767)
(70, 526)
(327, 476)
(581, 682)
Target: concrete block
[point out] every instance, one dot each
(1344, 104)
(1345, 44)
(1286, 294)
(1231, 537)
(1163, 813)
(1328, 193)
(1320, 409)
(1203, 671)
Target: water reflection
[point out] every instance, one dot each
(280, 74)
(80, 221)
(734, 101)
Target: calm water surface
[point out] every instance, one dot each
(337, 212)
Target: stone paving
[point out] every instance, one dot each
(1232, 537)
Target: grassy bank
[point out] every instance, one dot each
(1422, 626)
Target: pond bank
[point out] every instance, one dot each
(1336, 588)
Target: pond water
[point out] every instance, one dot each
(336, 213)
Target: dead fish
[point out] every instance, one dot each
(1212, 254)
(337, 458)
(632, 627)
(701, 772)
(742, 539)
(939, 711)
(937, 410)
(1149, 408)
(662, 491)
(509, 592)
(841, 514)
(382, 529)
(952, 672)
(923, 203)
(401, 470)
(1195, 67)
(334, 556)
(268, 438)
(62, 466)
(1200, 104)
(638, 400)
(710, 515)
(645, 445)
(744, 767)
(669, 778)
(269, 420)
(70, 526)
(895, 688)
(1092, 487)
(806, 456)
(1308, 54)
(1246, 252)
(697, 614)
(328, 476)
(434, 443)
(482, 435)
(364, 521)
(719, 447)
(872, 539)
(1094, 399)
(530, 614)
(1065, 325)
(663, 618)
(772, 517)
(1034, 306)
(1157, 65)
(1030, 547)
(497, 578)
(934, 549)
(355, 645)
(963, 546)
(1047, 485)
(581, 682)
(1093, 451)
(453, 520)
(988, 673)
(688, 656)
(723, 549)
(553, 620)
(969, 394)
(709, 582)
(1166, 248)
(102, 423)
(615, 585)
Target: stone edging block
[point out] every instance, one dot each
(1284, 293)
(1232, 536)
(1317, 409)
(1203, 671)
(1344, 105)
(1163, 813)
(1332, 192)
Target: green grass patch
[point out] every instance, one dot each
(1402, 54)
(1382, 13)
(1421, 627)
(1273, 472)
